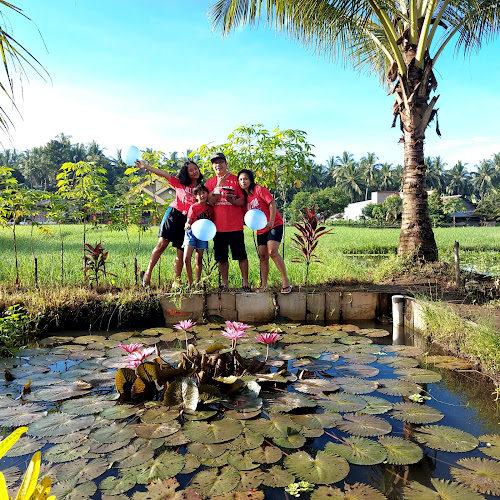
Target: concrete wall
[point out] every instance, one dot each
(315, 307)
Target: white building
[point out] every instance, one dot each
(353, 210)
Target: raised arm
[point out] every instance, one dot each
(157, 171)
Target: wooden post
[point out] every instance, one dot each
(457, 264)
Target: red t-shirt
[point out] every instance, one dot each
(260, 199)
(227, 217)
(184, 196)
(198, 211)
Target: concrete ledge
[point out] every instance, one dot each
(252, 307)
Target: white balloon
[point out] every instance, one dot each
(256, 219)
(204, 229)
(130, 155)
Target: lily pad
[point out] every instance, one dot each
(323, 469)
(82, 469)
(241, 461)
(316, 385)
(358, 451)
(70, 490)
(212, 432)
(130, 456)
(443, 489)
(277, 477)
(65, 452)
(342, 402)
(166, 465)
(247, 440)
(354, 385)
(356, 491)
(201, 450)
(58, 424)
(114, 432)
(481, 474)
(357, 370)
(266, 455)
(58, 393)
(275, 428)
(212, 482)
(364, 425)
(416, 413)
(401, 451)
(25, 446)
(375, 405)
(492, 448)
(116, 486)
(19, 415)
(293, 439)
(418, 375)
(394, 387)
(87, 406)
(440, 437)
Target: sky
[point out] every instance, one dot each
(154, 74)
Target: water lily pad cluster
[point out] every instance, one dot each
(222, 421)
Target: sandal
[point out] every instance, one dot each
(223, 288)
(286, 290)
(144, 284)
(262, 289)
(246, 288)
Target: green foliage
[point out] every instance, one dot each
(437, 211)
(14, 325)
(95, 262)
(328, 202)
(489, 206)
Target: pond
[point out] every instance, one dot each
(338, 406)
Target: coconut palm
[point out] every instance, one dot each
(386, 177)
(435, 173)
(457, 179)
(348, 176)
(370, 169)
(391, 38)
(484, 178)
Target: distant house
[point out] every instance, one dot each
(353, 210)
(467, 217)
(160, 191)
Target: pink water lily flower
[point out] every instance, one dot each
(237, 325)
(137, 357)
(267, 338)
(130, 347)
(233, 333)
(185, 325)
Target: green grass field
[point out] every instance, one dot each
(347, 255)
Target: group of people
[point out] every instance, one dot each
(224, 199)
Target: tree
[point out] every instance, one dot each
(392, 39)
(370, 169)
(484, 178)
(386, 177)
(457, 179)
(328, 202)
(435, 173)
(348, 176)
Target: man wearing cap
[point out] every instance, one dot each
(227, 199)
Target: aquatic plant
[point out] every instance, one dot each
(268, 338)
(185, 326)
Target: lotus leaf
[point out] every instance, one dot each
(357, 370)
(316, 385)
(18, 415)
(398, 362)
(212, 432)
(241, 461)
(115, 486)
(182, 392)
(243, 414)
(354, 385)
(373, 332)
(177, 439)
(166, 465)
(324, 469)
(247, 440)
(71, 437)
(27, 370)
(401, 451)
(115, 412)
(277, 477)
(70, 490)
(159, 415)
(356, 491)
(328, 419)
(355, 340)
(57, 424)
(364, 425)
(206, 450)
(154, 431)
(121, 336)
(418, 375)
(441, 437)
(288, 402)
(376, 406)
(265, 455)
(342, 402)
(88, 339)
(393, 387)
(481, 474)
(87, 406)
(359, 358)
(293, 439)
(25, 446)
(47, 359)
(308, 432)
(65, 452)
(130, 456)
(416, 413)
(444, 489)
(492, 448)
(358, 451)
(307, 421)
(114, 432)
(212, 482)
(96, 447)
(54, 340)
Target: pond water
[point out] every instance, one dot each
(350, 404)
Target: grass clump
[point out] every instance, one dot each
(473, 339)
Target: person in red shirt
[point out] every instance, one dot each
(200, 210)
(227, 199)
(172, 226)
(269, 238)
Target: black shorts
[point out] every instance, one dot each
(275, 234)
(172, 227)
(233, 239)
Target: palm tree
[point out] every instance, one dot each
(370, 168)
(348, 176)
(457, 179)
(391, 38)
(484, 178)
(386, 177)
(435, 173)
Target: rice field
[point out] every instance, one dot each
(347, 255)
